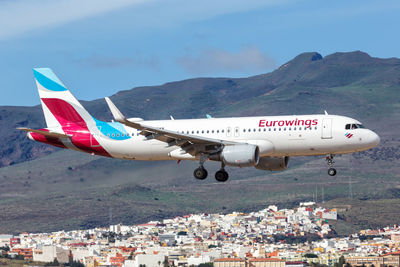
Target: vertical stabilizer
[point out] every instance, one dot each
(61, 109)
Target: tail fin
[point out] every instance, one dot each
(61, 109)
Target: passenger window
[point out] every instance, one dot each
(284, 129)
(208, 131)
(222, 131)
(269, 129)
(212, 131)
(265, 129)
(274, 129)
(108, 135)
(197, 131)
(217, 131)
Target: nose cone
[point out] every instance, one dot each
(373, 139)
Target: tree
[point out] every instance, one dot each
(165, 263)
(53, 263)
(77, 264)
(207, 264)
(310, 255)
(341, 261)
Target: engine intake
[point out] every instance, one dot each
(240, 155)
(272, 163)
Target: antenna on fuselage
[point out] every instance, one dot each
(172, 118)
(326, 113)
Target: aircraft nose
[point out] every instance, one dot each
(374, 139)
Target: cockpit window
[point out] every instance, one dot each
(354, 126)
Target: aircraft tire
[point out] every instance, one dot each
(221, 176)
(332, 171)
(200, 173)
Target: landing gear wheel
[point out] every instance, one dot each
(200, 173)
(332, 171)
(221, 176)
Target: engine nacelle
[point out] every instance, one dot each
(245, 155)
(272, 163)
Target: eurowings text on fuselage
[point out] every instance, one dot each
(264, 142)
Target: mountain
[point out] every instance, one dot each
(44, 188)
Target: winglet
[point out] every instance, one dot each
(118, 116)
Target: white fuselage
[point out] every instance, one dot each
(302, 135)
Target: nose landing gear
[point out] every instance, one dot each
(330, 162)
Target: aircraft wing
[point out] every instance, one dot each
(45, 133)
(171, 137)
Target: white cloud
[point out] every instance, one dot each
(22, 16)
(248, 59)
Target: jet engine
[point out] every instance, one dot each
(272, 163)
(245, 155)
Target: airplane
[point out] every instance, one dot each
(263, 142)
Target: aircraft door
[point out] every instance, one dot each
(326, 128)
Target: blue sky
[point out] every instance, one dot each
(100, 47)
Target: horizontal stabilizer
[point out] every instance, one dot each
(46, 133)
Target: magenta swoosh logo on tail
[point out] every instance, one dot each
(72, 123)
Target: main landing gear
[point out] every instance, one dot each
(331, 170)
(201, 173)
(221, 175)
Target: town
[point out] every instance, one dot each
(271, 237)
